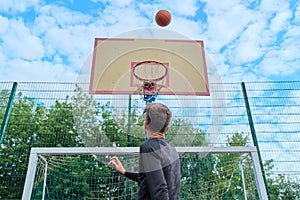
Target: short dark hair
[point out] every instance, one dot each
(157, 116)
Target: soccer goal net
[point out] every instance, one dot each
(83, 173)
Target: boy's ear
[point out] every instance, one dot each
(167, 128)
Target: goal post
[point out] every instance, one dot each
(82, 173)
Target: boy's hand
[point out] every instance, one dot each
(116, 163)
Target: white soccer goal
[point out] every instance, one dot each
(82, 173)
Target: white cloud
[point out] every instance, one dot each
(246, 36)
(290, 51)
(250, 45)
(270, 7)
(293, 34)
(191, 29)
(184, 8)
(66, 33)
(116, 3)
(259, 33)
(283, 59)
(297, 15)
(43, 23)
(246, 52)
(18, 41)
(2, 58)
(236, 35)
(4, 23)
(14, 6)
(116, 21)
(281, 21)
(20, 70)
(272, 66)
(225, 24)
(221, 6)
(147, 9)
(63, 16)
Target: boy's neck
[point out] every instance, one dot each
(156, 135)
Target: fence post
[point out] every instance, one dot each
(128, 192)
(7, 111)
(253, 134)
(129, 122)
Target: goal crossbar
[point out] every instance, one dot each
(36, 152)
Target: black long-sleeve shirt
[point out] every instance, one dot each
(159, 171)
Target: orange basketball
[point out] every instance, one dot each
(163, 18)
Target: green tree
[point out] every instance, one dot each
(196, 169)
(15, 149)
(82, 121)
(229, 171)
(116, 126)
(281, 186)
(87, 121)
(76, 122)
(182, 133)
(56, 128)
(32, 124)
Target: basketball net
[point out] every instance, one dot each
(150, 78)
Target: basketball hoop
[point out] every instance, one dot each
(150, 76)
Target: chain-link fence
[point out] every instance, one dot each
(262, 114)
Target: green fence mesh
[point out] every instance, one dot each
(65, 115)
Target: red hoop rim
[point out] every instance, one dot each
(149, 62)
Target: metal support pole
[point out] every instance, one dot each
(31, 169)
(127, 184)
(253, 134)
(129, 122)
(45, 176)
(7, 111)
(243, 175)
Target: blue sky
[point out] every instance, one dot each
(247, 40)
